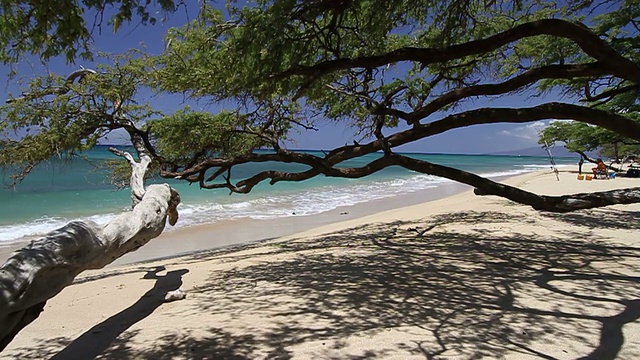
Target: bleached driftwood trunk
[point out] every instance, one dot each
(44, 267)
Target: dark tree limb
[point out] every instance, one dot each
(608, 93)
(559, 204)
(527, 78)
(554, 110)
(483, 186)
(589, 42)
(326, 165)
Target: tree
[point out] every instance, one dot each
(40, 270)
(58, 28)
(379, 64)
(581, 137)
(397, 71)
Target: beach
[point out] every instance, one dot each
(452, 276)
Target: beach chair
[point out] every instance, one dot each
(601, 174)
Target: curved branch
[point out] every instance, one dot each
(561, 204)
(56, 90)
(589, 42)
(553, 110)
(527, 78)
(608, 93)
(138, 171)
(483, 186)
(282, 156)
(616, 123)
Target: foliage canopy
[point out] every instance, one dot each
(65, 28)
(581, 138)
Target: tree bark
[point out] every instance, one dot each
(588, 41)
(138, 170)
(40, 270)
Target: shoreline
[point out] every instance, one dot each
(232, 232)
(238, 232)
(185, 241)
(463, 276)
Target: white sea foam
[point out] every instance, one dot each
(43, 225)
(309, 202)
(36, 227)
(272, 204)
(536, 166)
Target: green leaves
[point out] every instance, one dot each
(187, 134)
(58, 28)
(57, 116)
(581, 137)
(280, 65)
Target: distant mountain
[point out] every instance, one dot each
(556, 151)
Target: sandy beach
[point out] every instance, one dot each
(460, 277)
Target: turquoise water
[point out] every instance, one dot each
(59, 191)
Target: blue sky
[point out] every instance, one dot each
(471, 140)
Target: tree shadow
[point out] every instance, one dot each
(450, 293)
(603, 219)
(464, 290)
(97, 339)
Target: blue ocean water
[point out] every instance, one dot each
(59, 191)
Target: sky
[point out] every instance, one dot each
(478, 139)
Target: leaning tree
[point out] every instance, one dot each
(41, 269)
(397, 71)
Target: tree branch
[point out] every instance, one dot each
(44, 267)
(553, 110)
(55, 90)
(138, 171)
(527, 78)
(614, 122)
(608, 93)
(589, 42)
(565, 203)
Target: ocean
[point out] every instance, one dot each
(59, 191)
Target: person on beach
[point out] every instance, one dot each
(600, 167)
(580, 165)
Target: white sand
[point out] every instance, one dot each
(458, 278)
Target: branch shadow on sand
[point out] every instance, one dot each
(100, 337)
(453, 294)
(602, 219)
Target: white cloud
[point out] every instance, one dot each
(529, 131)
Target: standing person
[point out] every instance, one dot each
(580, 165)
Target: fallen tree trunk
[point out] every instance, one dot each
(40, 270)
(44, 267)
